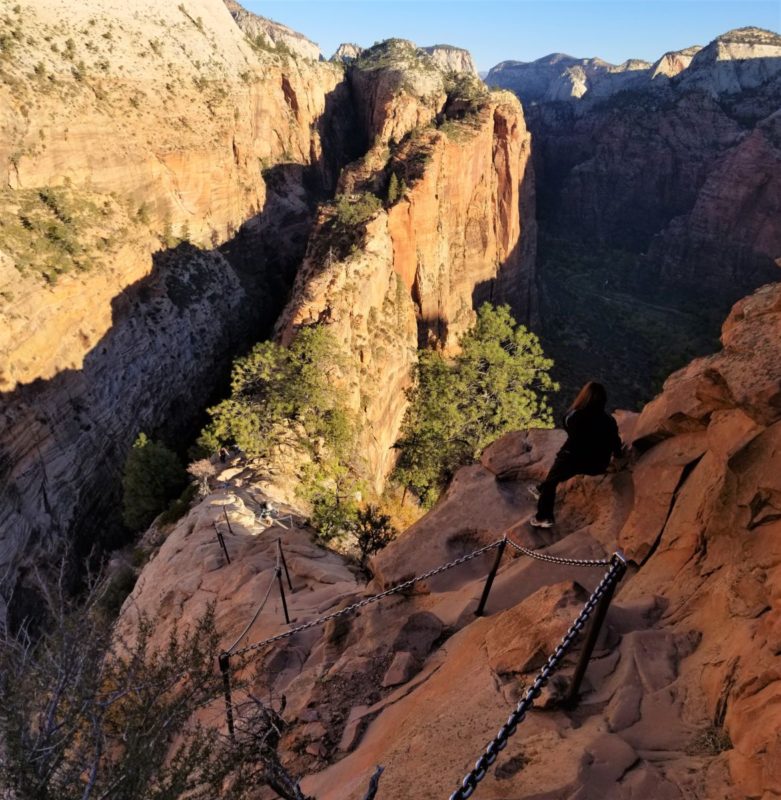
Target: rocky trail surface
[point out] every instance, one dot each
(682, 697)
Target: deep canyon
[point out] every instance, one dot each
(170, 184)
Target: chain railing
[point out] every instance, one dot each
(599, 599)
(570, 562)
(369, 600)
(604, 589)
(263, 602)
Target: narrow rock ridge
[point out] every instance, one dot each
(245, 142)
(267, 33)
(682, 696)
(462, 232)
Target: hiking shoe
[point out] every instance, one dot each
(534, 492)
(536, 522)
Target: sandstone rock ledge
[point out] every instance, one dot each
(682, 697)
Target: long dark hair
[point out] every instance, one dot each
(592, 398)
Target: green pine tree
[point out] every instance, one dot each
(497, 383)
(152, 477)
(282, 395)
(394, 189)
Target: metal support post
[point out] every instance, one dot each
(282, 594)
(224, 662)
(221, 540)
(490, 579)
(227, 520)
(573, 694)
(284, 564)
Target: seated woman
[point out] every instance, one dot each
(592, 438)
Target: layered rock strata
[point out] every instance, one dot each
(452, 59)
(681, 697)
(266, 33)
(459, 233)
(652, 167)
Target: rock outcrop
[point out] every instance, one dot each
(656, 188)
(127, 130)
(681, 699)
(265, 33)
(460, 231)
(346, 53)
(559, 77)
(452, 59)
(674, 62)
(226, 145)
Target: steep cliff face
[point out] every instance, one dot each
(452, 59)
(681, 699)
(460, 232)
(266, 33)
(559, 77)
(125, 131)
(645, 167)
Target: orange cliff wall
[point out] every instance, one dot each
(466, 231)
(187, 143)
(463, 232)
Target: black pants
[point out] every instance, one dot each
(564, 468)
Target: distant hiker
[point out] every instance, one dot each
(592, 438)
(223, 455)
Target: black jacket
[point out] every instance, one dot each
(592, 438)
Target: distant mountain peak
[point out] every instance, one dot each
(750, 35)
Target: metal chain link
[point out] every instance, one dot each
(573, 562)
(373, 599)
(499, 742)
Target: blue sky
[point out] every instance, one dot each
(524, 29)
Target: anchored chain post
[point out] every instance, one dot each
(489, 581)
(595, 626)
(282, 591)
(224, 662)
(284, 564)
(499, 742)
(369, 600)
(225, 513)
(221, 540)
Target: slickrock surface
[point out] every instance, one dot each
(681, 699)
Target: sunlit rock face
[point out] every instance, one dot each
(462, 232)
(454, 59)
(267, 33)
(677, 163)
(201, 189)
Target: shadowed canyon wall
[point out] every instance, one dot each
(659, 191)
(127, 130)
